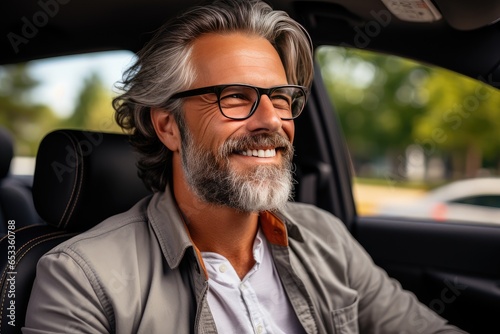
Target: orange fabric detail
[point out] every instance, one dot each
(198, 253)
(274, 229)
(200, 259)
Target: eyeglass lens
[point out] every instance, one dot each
(239, 102)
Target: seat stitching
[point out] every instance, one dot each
(18, 230)
(78, 163)
(4, 290)
(4, 273)
(80, 170)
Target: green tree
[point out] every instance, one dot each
(93, 110)
(386, 104)
(461, 119)
(27, 121)
(377, 98)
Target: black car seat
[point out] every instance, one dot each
(80, 179)
(16, 200)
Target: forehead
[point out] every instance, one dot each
(236, 58)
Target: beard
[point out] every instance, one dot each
(260, 188)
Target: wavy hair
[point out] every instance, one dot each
(163, 67)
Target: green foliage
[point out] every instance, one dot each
(386, 104)
(377, 98)
(27, 122)
(30, 122)
(93, 110)
(462, 121)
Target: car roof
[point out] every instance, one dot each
(465, 39)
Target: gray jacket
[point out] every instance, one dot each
(138, 272)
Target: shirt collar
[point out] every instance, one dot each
(222, 272)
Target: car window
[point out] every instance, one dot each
(65, 92)
(492, 201)
(420, 137)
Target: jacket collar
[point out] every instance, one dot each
(167, 222)
(169, 227)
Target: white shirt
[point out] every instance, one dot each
(257, 304)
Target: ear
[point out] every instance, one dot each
(166, 128)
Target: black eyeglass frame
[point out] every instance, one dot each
(217, 90)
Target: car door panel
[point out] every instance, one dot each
(452, 268)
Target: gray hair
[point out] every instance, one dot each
(163, 68)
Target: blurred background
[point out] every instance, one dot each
(424, 141)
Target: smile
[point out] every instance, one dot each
(259, 153)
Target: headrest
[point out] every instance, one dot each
(6, 151)
(83, 177)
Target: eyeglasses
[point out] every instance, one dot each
(239, 102)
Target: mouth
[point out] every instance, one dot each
(261, 153)
(260, 146)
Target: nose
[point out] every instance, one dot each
(265, 118)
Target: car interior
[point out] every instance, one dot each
(83, 176)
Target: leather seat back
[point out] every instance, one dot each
(16, 200)
(80, 179)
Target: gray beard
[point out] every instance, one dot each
(265, 187)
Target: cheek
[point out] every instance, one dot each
(209, 128)
(289, 129)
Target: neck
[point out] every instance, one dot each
(219, 229)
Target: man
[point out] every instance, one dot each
(210, 104)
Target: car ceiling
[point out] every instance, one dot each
(465, 39)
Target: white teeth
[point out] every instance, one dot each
(260, 153)
(271, 153)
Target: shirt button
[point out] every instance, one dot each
(259, 329)
(222, 268)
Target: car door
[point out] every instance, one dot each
(451, 265)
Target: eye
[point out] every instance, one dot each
(234, 96)
(281, 101)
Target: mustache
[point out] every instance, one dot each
(257, 141)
